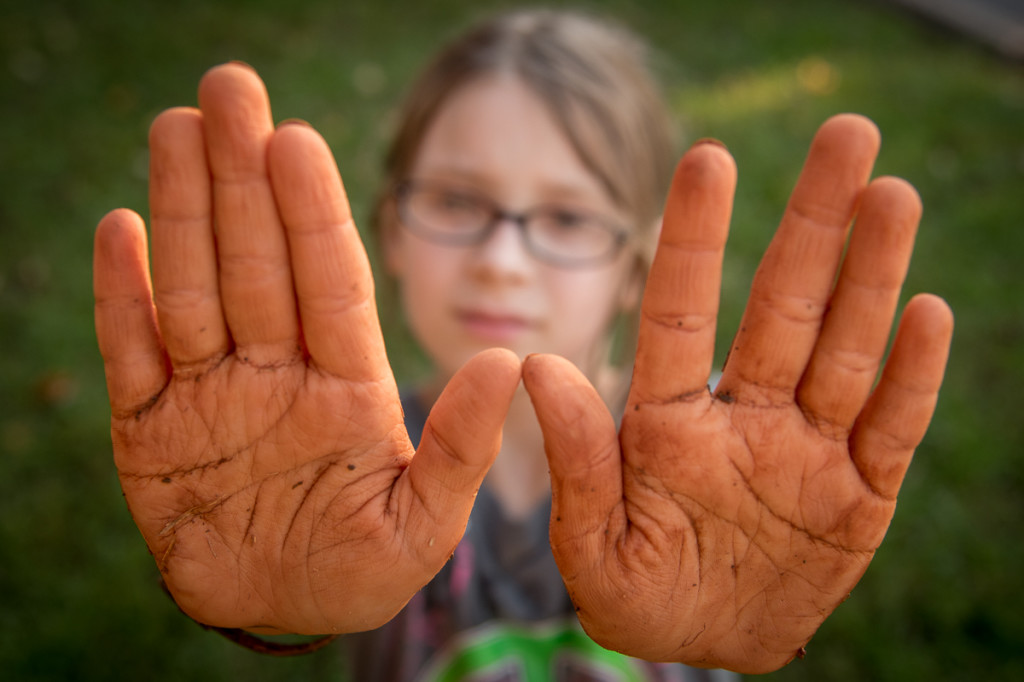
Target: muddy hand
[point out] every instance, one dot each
(256, 424)
(721, 529)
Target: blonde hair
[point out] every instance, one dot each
(595, 78)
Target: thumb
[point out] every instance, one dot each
(584, 457)
(460, 440)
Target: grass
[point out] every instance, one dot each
(80, 82)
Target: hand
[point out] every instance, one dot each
(257, 429)
(721, 529)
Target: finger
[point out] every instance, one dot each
(255, 277)
(680, 305)
(331, 271)
(897, 414)
(583, 455)
(126, 328)
(845, 362)
(794, 281)
(460, 440)
(184, 253)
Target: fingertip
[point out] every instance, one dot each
(921, 349)
(710, 140)
(231, 64)
(933, 313)
(543, 368)
(699, 205)
(485, 385)
(235, 92)
(501, 357)
(892, 189)
(465, 423)
(172, 120)
(534, 360)
(228, 72)
(706, 159)
(302, 123)
(119, 219)
(291, 133)
(119, 229)
(564, 400)
(120, 255)
(849, 141)
(852, 126)
(894, 205)
(850, 118)
(933, 302)
(531, 369)
(238, 63)
(500, 368)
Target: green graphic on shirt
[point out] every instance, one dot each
(502, 652)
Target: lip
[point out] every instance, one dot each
(493, 326)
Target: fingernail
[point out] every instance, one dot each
(709, 140)
(294, 122)
(239, 62)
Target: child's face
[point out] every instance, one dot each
(496, 139)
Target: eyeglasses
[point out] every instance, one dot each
(558, 236)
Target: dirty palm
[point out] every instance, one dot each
(259, 437)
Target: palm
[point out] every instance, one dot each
(249, 472)
(256, 424)
(722, 528)
(772, 520)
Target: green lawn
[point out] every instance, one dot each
(79, 83)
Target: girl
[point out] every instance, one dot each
(261, 441)
(521, 209)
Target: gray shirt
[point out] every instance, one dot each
(497, 612)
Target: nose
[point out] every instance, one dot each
(503, 254)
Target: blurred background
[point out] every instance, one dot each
(80, 82)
